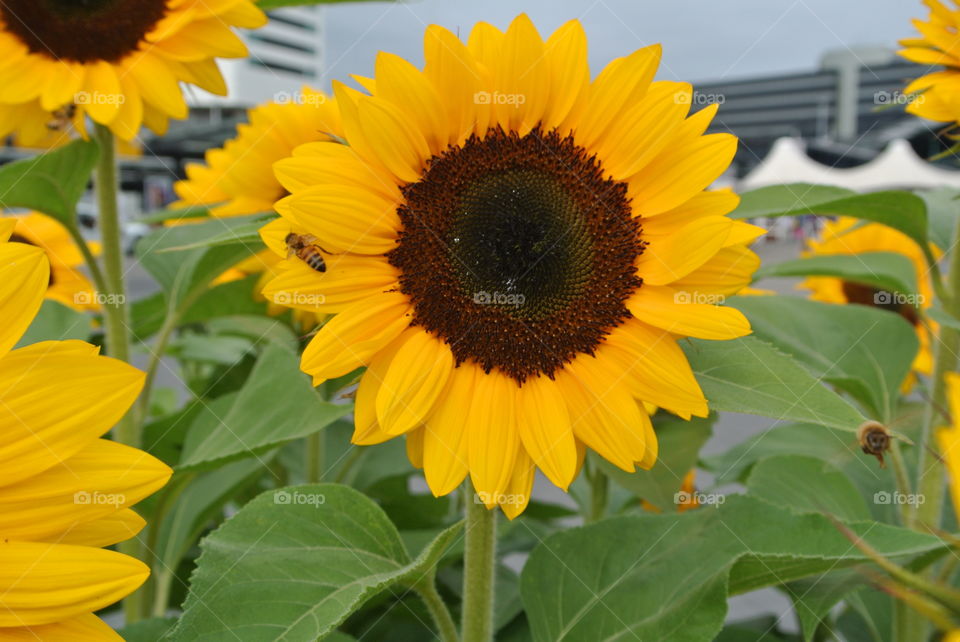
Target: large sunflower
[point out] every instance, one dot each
(513, 251)
(847, 236)
(68, 285)
(64, 493)
(237, 179)
(939, 44)
(119, 62)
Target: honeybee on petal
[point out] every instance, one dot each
(305, 248)
(61, 118)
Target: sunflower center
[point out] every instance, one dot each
(517, 251)
(82, 30)
(16, 238)
(876, 298)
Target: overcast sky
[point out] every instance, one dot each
(704, 40)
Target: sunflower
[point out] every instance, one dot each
(847, 236)
(237, 179)
(64, 492)
(513, 250)
(68, 285)
(120, 63)
(939, 44)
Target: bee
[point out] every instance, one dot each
(62, 118)
(305, 248)
(874, 439)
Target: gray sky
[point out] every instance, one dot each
(704, 40)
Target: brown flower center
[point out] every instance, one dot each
(81, 30)
(517, 251)
(876, 298)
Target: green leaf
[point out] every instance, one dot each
(245, 231)
(680, 443)
(295, 563)
(148, 630)
(943, 210)
(806, 484)
(814, 597)
(751, 376)
(900, 210)
(864, 351)
(210, 348)
(52, 183)
(189, 212)
(666, 577)
(185, 275)
(276, 404)
(886, 271)
(56, 322)
(943, 317)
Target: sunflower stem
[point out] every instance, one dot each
(316, 448)
(92, 264)
(599, 492)
(903, 481)
(446, 628)
(479, 559)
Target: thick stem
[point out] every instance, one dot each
(446, 628)
(479, 559)
(316, 444)
(599, 491)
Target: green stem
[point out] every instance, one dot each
(599, 490)
(479, 559)
(95, 273)
(156, 356)
(427, 590)
(315, 455)
(903, 481)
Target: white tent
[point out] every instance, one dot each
(898, 166)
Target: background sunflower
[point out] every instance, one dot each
(940, 99)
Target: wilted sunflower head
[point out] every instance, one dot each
(120, 62)
(64, 492)
(936, 95)
(849, 236)
(67, 283)
(513, 250)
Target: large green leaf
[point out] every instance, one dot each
(900, 210)
(667, 577)
(296, 562)
(806, 484)
(56, 322)
(751, 376)
(886, 271)
(943, 211)
(680, 443)
(276, 404)
(51, 183)
(865, 351)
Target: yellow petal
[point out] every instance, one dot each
(53, 405)
(100, 479)
(522, 78)
(6, 228)
(351, 338)
(674, 257)
(544, 426)
(106, 531)
(454, 74)
(367, 431)
(566, 52)
(491, 425)
(687, 313)
(102, 95)
(730, 270)
(446, 441)
(323, 163)
(349, 278)
(81, 628)
(24, 275)
(415, 379)
(400, 148)
(405, 86)
(415, 447)
(517, 495)
(44, 583)
(157, 84)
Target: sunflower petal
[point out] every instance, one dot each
(544, 426)
(415, 379)
(24, 274)
(446, 440)
(679, 313)
(494, 442)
